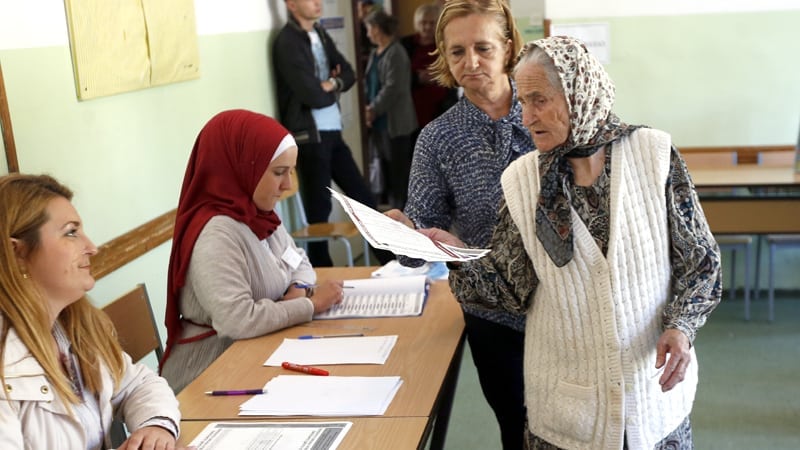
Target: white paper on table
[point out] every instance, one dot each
(393, 269)
(308, 395)
(272, 435)
(344, 350)
(388, 234)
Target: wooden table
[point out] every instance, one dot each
(366, 432)
(750, 199)
(427, 357)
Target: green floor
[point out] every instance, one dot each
(748, 396)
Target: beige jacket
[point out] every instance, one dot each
(32, 417)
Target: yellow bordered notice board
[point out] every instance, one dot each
(126, 45)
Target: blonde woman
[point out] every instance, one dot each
(64, 374)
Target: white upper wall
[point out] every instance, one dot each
(37, 23)
(573, 9)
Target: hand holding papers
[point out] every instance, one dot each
(387, 234)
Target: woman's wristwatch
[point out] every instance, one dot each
(310, 288)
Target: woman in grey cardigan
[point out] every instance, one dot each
(235, 272)
(390, 111)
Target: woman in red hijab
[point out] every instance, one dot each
(233, 267)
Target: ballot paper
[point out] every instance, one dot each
(345, 350)
(388, 234)
(272, 435)
(305, 395)
(371, 297)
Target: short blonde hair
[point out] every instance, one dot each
(453, 9)
(424, 10)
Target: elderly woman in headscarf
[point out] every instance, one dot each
(602, 241)
(235, 272)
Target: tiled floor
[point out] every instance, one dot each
(748, 396)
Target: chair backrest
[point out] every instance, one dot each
(135, 324)
(709, 160)
(776, 159)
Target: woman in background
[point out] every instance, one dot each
(235, 272)
(455, 180)
(389, 112)
(430, 98)
(64, 374)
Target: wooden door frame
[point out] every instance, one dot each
(5, 126)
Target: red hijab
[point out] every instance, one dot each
(229, 157)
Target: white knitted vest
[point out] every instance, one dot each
(591, 333)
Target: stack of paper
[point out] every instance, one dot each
(346, 350)
(302, 395)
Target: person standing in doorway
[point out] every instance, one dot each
(389, 113)
(311, 73)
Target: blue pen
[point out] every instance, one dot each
(308, 286)
(321, 336)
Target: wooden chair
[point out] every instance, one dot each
(135, 324)
(776, 241)
(709, 160)
(776, 159)
(138, 335)
(302, 232)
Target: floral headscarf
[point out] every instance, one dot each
(590, 95)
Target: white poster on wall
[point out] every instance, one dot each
(596, 36)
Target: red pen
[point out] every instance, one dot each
(305, 369)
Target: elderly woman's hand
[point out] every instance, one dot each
(442, 236)
(677, 344)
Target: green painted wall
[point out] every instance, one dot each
(125, 155)
(713, 79)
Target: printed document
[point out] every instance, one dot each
(344, 350)
(385, 233)
(380, 297)
(272, 435)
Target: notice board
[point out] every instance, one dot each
(126, 45)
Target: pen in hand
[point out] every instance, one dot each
(304, 369)
(238, 392)
(308, 286)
